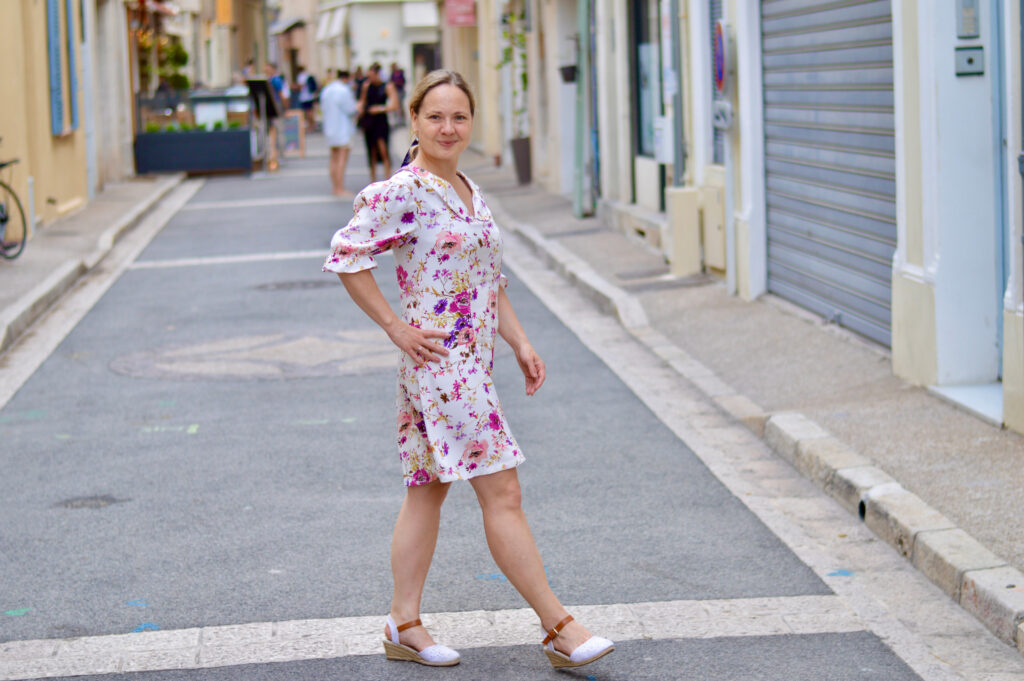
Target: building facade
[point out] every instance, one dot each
(858, 159)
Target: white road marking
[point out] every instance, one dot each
(23, 358)
(265, 642)
(257, 203)
(227, 259)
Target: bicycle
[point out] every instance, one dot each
(13, 228)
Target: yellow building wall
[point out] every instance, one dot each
(57, 164)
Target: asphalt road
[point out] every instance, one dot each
(213, 445)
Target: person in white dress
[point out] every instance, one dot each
(447, 251)
(338, 107)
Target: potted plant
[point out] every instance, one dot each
(514, 57)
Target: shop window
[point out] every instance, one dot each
(646, 73)
(60, 43)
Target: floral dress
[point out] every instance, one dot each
(448, 264)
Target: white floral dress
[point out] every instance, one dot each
(448, 264)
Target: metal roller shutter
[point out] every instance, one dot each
(830, 170)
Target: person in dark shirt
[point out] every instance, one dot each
(376, 100)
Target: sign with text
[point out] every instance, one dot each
(460, 12)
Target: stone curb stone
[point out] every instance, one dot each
(17, 317)
(786, 430)
(848, 486)
(897, 516)
(820, 458)
(989, 596)
(744, 410)
(945, 555)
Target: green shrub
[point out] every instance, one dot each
(218, 125)
(234, 125)
(152, 127)
(170, 128)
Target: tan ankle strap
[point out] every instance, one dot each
(409, 625)
(556, 630)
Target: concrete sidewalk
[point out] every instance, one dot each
(928, 478)
(63, 251)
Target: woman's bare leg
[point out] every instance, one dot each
(384, 156)
(412, 549)
(371, 154)
(515, 552)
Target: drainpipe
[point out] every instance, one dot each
(582, 204)
(679, 166)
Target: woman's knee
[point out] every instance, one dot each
(499, 492)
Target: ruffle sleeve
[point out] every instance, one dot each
(385, 215)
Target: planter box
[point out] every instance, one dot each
(193, 151)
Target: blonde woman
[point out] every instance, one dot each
(450, 423)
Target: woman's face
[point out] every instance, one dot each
(444, 124)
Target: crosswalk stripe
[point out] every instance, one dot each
(227, 259)
(257, 203)
(289, 641)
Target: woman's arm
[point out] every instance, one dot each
(392, 103)
(412, 341)
(511, 330)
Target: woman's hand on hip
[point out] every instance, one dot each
(532, 367)
(418, 343)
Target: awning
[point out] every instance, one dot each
(156, 6)
(323, 24)
(420, 15)
(337, 23)
(285, 25)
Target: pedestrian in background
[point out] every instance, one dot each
(397, 79)
(338, 107)
(358, 78)
(376, 100)
(451, 426)
(307, 95)
(279, 91)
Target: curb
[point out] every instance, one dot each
(974, 577)
(17, 317)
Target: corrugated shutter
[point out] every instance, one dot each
(53, 47)
(69, 19)
(830, 169)
(718, 135)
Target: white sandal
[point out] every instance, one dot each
(432, 656)
(592, 649)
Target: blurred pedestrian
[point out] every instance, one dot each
(279, 91)
(397, 79)
(307, 86)
(376, 101)
(451, 426)
(358, 78)
(338, 107)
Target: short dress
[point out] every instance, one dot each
(448, 264)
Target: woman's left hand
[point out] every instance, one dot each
(532, 367)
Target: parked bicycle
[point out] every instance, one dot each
(13, 228)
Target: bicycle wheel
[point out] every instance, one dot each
(13, 228)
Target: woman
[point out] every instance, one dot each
(376, 100)
(450, 424)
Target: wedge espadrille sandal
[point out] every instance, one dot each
(432, 656)
(594, 648)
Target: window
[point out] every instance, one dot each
(60, 43)
(646, 73)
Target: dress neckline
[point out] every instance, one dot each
(451, 195)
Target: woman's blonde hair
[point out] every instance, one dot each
(428, 83)
(434, 79)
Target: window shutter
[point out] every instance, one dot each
(53, 47)
(69, 18)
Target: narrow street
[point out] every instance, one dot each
(201, 480)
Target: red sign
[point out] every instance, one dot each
(460, 12)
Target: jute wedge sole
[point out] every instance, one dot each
(560, 661)
(397, 651)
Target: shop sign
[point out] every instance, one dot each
(460, 12)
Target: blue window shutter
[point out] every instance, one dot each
(69, 18)
(54, 49)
